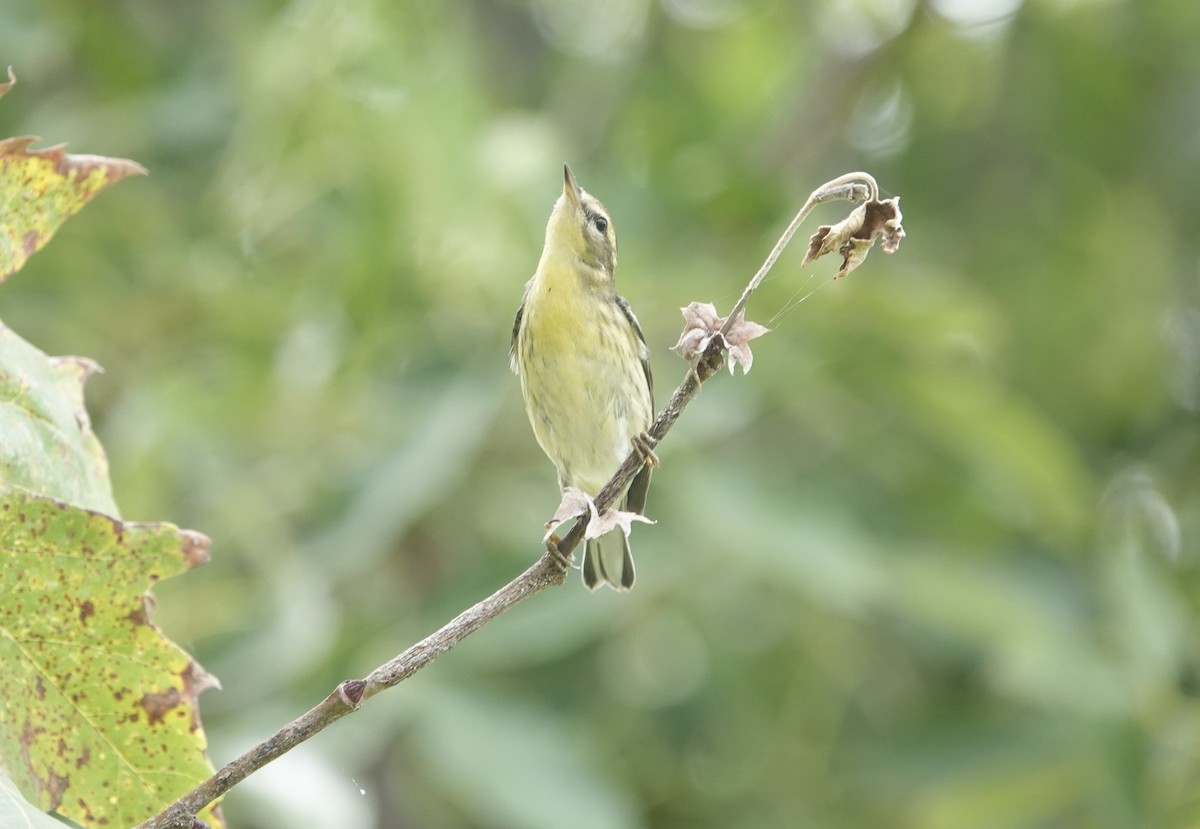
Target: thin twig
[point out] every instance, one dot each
(349, 696)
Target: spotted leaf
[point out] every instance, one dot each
(41, 189)
(98, 713)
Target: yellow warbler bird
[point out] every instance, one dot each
(585, 376)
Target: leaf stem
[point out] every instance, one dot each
(854, 187)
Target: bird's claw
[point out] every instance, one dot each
(563, 561)
(644, 445)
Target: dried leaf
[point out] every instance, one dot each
(738, 338)
(702, 323)
(854, 236)
(831, 237)
(575, 503)
(612, 519)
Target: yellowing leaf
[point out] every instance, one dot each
(41, 189)
(46, 440)
(98, 714)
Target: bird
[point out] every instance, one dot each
(585, 374)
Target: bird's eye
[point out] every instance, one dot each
(601, 223)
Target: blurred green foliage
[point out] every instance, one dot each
(932, 564)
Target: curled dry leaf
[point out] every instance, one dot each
(612, 519)
(575, 503)
(702, 323)
(854, 236)
(738, 338)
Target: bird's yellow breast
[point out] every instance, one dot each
(581, 373)
(557, 304)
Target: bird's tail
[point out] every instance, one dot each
(606, 560)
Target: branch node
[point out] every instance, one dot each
(351, 692)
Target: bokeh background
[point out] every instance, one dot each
(933, 563)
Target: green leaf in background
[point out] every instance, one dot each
(46, 440)
(96, 704)
(41, 189)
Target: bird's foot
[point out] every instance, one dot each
(557, 556)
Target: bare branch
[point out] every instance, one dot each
(349, 696)
(548, 571)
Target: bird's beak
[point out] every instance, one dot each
(570, 186)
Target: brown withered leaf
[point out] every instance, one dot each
(854, 236)
(700, 323)
(575, 503)
(738, 338)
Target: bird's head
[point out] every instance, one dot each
(580, 227)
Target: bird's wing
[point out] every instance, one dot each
(512, 346)
(635, 496)
(637, 329)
